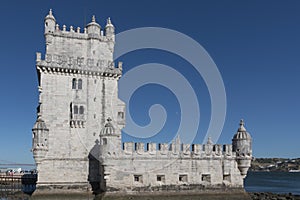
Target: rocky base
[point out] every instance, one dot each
(273, 196)
(204, 195)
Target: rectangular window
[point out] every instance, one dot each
(120, 115)
(206, 178)
(79, 84)
(75, 110)
(104, 141)
(226, 177)
(74, 83)
(81, 110)
(138, 178)
(160, 178)
(183, 178)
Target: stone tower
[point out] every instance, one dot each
(78, 92)
(242, 145)
(77, 135)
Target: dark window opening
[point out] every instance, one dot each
(138, 178)
(183, 178)
(79, 84)
(81, 110)
(121, 115)
(226, 177)
(74, 83)
(206, 177)
(160, 178)
(104, 141)
(75, 110)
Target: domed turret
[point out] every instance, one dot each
(109, 28)
(40, 134)
(108, 129)
(241, 141)
(93, 28)
(50, 22)
(110, 34)
(242, 146)
(110, 140)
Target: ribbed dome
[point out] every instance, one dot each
(108, 129)
(50, 15)
(109, 24)
(40, 124)
(93, 23)
(242, 132)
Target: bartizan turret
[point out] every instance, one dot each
(93, 29)
(242, 146)
(40, 134)
(110, 140)
(50, 23)
(110, 34)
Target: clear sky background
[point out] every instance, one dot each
(255, 45)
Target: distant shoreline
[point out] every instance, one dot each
(269, 195)
(275, 165)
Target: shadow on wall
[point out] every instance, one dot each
(96, 175)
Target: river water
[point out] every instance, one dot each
(275, 182)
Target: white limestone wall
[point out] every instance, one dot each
(64, 43)
(66, 172)
(69, 147)
(120, 172)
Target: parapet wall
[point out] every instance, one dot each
(182, 150)
(78, 34)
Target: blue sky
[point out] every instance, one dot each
(255, 45)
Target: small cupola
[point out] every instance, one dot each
(50, 16)
(242, 133)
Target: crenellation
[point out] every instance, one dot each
(197, 148)
(186, 149)
(208, 149)
(218, 149)
(178, 151)
(163, 148)
(140, 148)
(151, 148)
(128, 147)
(228, 149)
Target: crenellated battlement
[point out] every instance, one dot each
(78, 33)
(181, 150)
(87, 50)
(92, 30)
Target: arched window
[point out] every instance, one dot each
(81, 110)
(74, 83)
(79, 84)
(75, 110)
